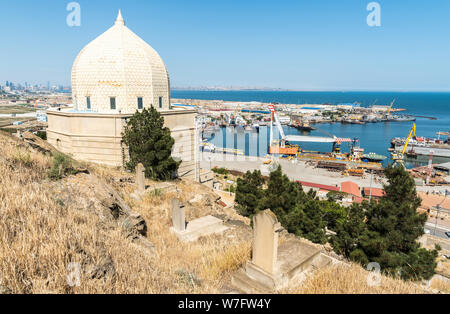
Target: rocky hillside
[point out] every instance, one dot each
(58, 216)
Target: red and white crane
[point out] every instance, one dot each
(299, 138)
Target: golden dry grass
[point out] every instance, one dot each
(40, 236)
(440, 285)
(352, 279)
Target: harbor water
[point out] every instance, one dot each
(374, 137)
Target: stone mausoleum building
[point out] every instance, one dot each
(112, 77)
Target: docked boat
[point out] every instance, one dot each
(373, 157)
(401, 118)
(423, 146)
(305, 127)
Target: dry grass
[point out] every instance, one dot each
(441, 285)
(40, 235)
(352, 280)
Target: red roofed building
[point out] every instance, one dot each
(358, 200)
(376, 192)
(317, 186)
(351, 188)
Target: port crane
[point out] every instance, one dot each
(388, 114)
(398, 157)
(283, 146)
(233, 117)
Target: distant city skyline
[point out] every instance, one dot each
(285, 45)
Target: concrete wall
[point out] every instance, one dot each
(97, 137)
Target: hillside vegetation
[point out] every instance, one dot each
(56, 213)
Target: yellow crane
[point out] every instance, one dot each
(390, 108)
(411, 134)
(398, 157)
(234, 116)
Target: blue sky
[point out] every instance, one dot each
(292, 44)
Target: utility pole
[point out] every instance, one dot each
(430, 165)
(438, 209)
(370, 192)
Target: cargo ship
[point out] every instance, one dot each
(423, 146)
(401, 118)
(305, 126)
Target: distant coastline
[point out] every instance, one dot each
(273, 89)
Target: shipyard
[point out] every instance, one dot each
(241, 137)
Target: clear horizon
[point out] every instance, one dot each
(311, 46)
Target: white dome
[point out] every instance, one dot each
(119, 67)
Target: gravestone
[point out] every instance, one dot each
(140, 178)
(192, 231)
(178, 216)
(265, 245)
(274, 267)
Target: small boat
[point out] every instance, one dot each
(305, 127)
(373, 157)
(401, 118)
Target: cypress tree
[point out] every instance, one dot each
(150, 143)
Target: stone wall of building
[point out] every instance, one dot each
(97, 137)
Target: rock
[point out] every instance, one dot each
(105, 269)
(134, 226)
(37, 143)
(197, 199)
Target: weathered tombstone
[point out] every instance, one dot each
(274, 267)
(265, 245)
(140, 178)
(178, 216)
(188, 232)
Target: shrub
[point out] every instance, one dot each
(220, 171)
(42, 135)
(62, 166)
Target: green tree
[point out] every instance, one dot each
(305, 220)
(150, 143)
(333, 213)
(349, 231)
(390, 232)
(249, 192)
(281, 195)
(299, 212)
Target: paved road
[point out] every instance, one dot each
(439, 231)
(295, 171)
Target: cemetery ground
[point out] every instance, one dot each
(83, 220)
